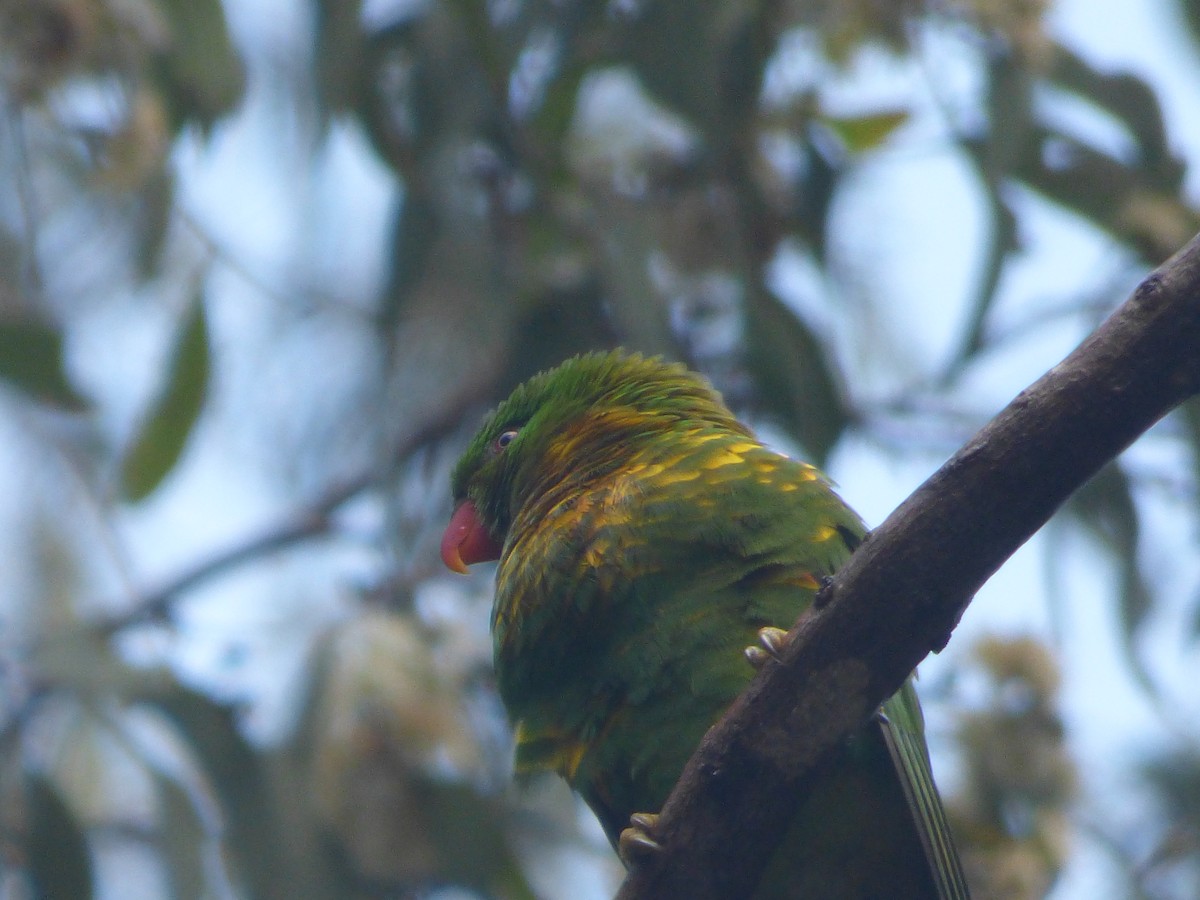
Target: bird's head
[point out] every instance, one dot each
(568, 426)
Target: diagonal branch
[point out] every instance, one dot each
(902, 593)
(310, 520)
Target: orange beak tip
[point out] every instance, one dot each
(454, 563)
(452, 541)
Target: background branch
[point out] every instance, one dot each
(312, 519)
(904, 590)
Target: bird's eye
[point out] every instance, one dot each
(503, 439)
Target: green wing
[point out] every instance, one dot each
(902, 727)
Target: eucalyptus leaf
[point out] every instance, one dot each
(1001, 244)
(1105, 507)
(794, 381)
(1191, 15)
(31, 358)
(414, 230)
(152, 224)
(57, 855)
(820, 178)
(1133, 102)
(169, 425)
(339, 48)
(458, 816)
(1189, 415)
(239, 781)
(684, 79)
(866, 132)
(1010, 87)
(202, 75)
(704, 61)
(183, 839)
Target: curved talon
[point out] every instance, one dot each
(771, 644)
(774, 641)
(635, 845)
(645, 821)
(756, 656)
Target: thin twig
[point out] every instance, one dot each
(311, 520)
(31, 273)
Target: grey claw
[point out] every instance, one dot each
(771, 644)
(756, 656)
(635, 846)
(774, 641)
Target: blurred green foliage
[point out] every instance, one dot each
(572, 175)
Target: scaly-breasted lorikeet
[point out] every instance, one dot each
(645, 536)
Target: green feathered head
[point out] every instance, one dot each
(571, 424)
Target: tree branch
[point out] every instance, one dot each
(312, 519)
(902, 593)
(308, 521)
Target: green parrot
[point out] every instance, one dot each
(648, 545)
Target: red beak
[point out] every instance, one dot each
(466, 541)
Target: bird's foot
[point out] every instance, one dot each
(771, 644)
(636, 845)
